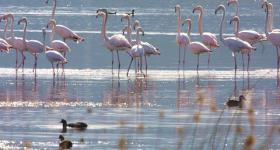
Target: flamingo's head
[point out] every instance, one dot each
(229, 2)
(125, 29)
(100, 14)
(140, 29)
(125, 17)
(234, 19)
(23, 19)
(8, 15)
(136, 24)
(219, 8)
(47, 2)
(189, 23)
(198, 8)
(265, 5)
(51, 23)
(177, 8)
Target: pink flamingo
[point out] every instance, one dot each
(196, 47)
(270, 18)
(208, 39)
(16, 42)
(273, 37)
(249, 36)
(137, 50)
(34, 47)
(64, 31)
(52, 55)
(116, 42)
(233, 43)
(4, 45)
(181, 38)
(58, 45)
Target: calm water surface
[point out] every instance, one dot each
(166, 110)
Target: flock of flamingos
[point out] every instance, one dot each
(56, 54)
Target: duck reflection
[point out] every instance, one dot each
(127, 93)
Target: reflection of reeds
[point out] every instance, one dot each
(122, 143)
(269, 137)
(181, 136)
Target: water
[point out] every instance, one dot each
(157, 112)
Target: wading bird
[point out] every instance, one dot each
(116, 42)
(233, 43)
(208, 39)
(181, 38)
(196, 47)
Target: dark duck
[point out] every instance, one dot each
(77, 125)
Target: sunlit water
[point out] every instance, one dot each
(166, 110)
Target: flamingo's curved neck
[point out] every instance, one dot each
(24, 33)
(53, 32)
(189, 30)
(6, 28)
(44, 40)
(179, 21)
(270, 25)
(266, 21)
(54, 8)
(200, 30)
(103, 30)
(137, 37)
(237, 28)
(221, 26)
(12, 26)
(237, 8)
(129, 29)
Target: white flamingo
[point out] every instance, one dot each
(16, 42)
(137, 51)
(196, 47)
(233, 43)
(249, 36)
(273, 37)
(208, 39)
(116, 42)
(57, 45)
(149, 49)
(4, 45)
(181, 38)
(34, 47)
(52, 55)
(64, 31)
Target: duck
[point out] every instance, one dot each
(77, 125)
(64, 144)
(232, 102)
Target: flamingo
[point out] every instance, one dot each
(137, 50)
(4, 45)
(249, 36)
(236, 3)
(15, 42)
(273, 37)
(196, 47)
(181, 38)
(64, 31)
(149, 49)
(270, 19)
(116, 42)
(34, 47)
(52, 55)
(233, 43)
(58, 45)
(208, 39)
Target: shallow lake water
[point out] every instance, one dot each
(166, 110)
